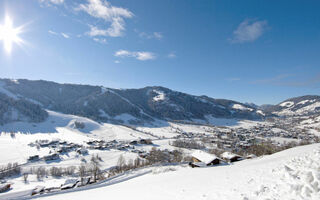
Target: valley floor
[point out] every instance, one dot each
(291, 174)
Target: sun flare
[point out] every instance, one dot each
(9, 34)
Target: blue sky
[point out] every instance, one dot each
(249, 51)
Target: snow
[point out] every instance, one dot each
(160, 96)
(58, 127)
(104, 90)
(103, 114)
(125, 117)
(304, 110)
(241, 107)
(291, 174)
(287, 104)
(6, 92)
(15, 81)
(282, 140)
(297, 179)
(221, 121)
(55, 123)
(129, 102)
(309, 108)
(306, 101)
(314, 132)
(260, 112)
(228, 155)
(203, 156)
(202, 100)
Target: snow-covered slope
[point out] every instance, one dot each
(303, 105)
(57, 127)
(291, 174)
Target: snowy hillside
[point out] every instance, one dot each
(303, 105)
(291, 174)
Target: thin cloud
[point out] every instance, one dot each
(52, 32)
(233, 79)
(65, 35)
(172, 55)
(249, 31)
(139, 55)
(48, 2)
(95, 31)
(100, 40)
(113, 31)
(154, 35)
(101, 9)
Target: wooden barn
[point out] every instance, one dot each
(202, 159)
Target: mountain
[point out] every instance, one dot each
(303, 105)
(122, 105)
(13, 108)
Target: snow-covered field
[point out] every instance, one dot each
(291, 174)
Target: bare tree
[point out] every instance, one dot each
(82, 172)
(41, 172)
(95, 167)
(137, 162)
(121, 163)
(25, 177)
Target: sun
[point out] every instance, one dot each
(9, 34)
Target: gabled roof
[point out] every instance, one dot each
(229, 155)
(204, 156)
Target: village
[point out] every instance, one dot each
(210, 146)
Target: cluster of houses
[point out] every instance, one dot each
(114, 144)
(58, 147)
(239, 138)
(68, 184)
(203, 159)
(61, 147)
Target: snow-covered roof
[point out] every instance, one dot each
(204, 156)
(229, 155)
(200, 164)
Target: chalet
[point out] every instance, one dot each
(37, 190)
(231, 157)
(134, 142)
(251, 156)
(47, 143)
(51, 157)
(5, 187)
(82, 151)
(202, 159)
(69, 183)
(143, 155)
(143, 141)
(33, 158)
